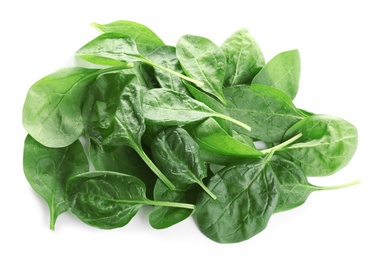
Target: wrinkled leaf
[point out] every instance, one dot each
(267, 110)
(327, 144)
(202, 60)
(247, 195)
(244, 58)
(146, 40)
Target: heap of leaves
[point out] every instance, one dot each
(179, 128)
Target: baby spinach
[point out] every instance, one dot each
(109, 200)
(47, 170)
(281, 72)
(268, 111)
(327, 145)
(146, 40)
(193, 129)
(244, 58)
(246, 198)
(203, 60)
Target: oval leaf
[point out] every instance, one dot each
(281, 72)
(244, 58)
(202, 60)
(47, 170)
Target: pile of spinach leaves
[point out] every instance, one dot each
(178, 128)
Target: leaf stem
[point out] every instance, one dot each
(339, 186)
(281, 145)
(169, 204)
(198, 83)
(156, 170)
(208, 191)
(237, 122)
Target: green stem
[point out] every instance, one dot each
(281, 145)
(156, 170)
(339, 186)
(169, 204)
(247, 127)
(198, 83)
(208, 191)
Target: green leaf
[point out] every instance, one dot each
(114, 117)
(146, 40)
(294, 188)
(167, 107)
(246, 198)
(166, 57)
(202, 60)
(326, 146)
(267, 110)
(281, 72)
(244, 58)
(52, 109)
(212, 137)
(47, 170)
(112, 49)
(123, 159)
(164, 217)
(177, 155)
(107, 199)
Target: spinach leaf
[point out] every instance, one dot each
(113, 116)
(166, 57)
(282, 72)
(294, 187)
(177, 155)
(112, 49)
(164, 217)
(247, 195)
(47, 170)
(202, 60)
(210, 136)
(123, 159)
(327, 145)
(52, 109)
(244, 58)
(109, 200)
(146, 40)
(267, 110)
(167, 107)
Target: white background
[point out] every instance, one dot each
(335, 40)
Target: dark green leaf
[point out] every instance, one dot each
(164, 217)
(327, 144)
(177, 155)
(166, 57)
(244, 58)
(247, 195)
(267, 110)
(282, 72)
(114, 117)
(123, 159)
(47, 170)
(146, 40)
(202, 60)
(107, 199)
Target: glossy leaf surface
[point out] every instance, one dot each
(247, 195)
(268, 111)
(202, 60)
(244, 58)
(47, 170)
